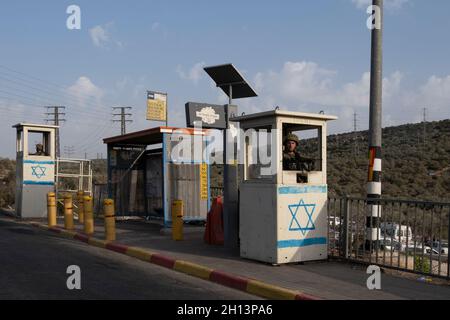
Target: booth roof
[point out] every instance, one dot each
(34, 125)
(280, 113)
(149, 136)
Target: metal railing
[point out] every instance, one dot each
(72, 175)
(99, 194)
(411, 235)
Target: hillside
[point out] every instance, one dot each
(412, 168)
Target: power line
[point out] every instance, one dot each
(32, 103)
(56, 119)
(42, 82)
(92, 140)
(62, 92)
(123, 118)
(69, 151)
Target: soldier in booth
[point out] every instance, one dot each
(39, 150)
(292, 160)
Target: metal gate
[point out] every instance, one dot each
(412, 235)
(72, 175)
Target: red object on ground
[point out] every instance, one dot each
(214, 223)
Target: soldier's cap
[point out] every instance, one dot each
(291, 137)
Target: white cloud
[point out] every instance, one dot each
(433, 95)
(84, 90)
(194, 74)
(101, 36)
(390, 4)
(307, 83)
(306, 86)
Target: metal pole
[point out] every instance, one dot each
(167, 110)
(375, 133)
(230, 184)
(122, 119)
(345, 222)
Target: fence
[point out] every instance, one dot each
(100, 193)
(412, 235)
(72, 175)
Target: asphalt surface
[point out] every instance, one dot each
(34, 264)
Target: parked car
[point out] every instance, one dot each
(429, 250)
(441, 246)
(395, 231)
(390, 245)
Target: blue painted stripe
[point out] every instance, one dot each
(295, 243)
(38, 162)
(164, 193)
(304, 189)
(45, 183)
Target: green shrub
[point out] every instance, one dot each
(422, 264)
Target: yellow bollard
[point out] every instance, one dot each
(51, 209)
(88, 215)
(110, 219)
(80, 195)
(68, 212)
(177, 220)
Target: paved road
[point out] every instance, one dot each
(34, 265)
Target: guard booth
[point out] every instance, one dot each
(35, 168)
(283, 213)
(149, 169)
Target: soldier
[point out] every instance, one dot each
(291, 157)
(39, 150)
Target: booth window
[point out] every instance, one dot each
(258, 153)
(38, 143)
(307, 155)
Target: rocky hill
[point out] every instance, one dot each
(416, 162)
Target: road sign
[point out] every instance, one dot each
(211, 116)
(156, 106)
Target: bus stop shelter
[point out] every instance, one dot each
(146, 172)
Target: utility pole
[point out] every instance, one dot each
(69, 151)
(55, 118)
(355, 138)
(375, 133)
(424, 127)
(123, 118)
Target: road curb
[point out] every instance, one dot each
(251, 286)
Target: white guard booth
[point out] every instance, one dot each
(283, 213)
(35, 168)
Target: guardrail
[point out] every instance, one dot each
(412, 235)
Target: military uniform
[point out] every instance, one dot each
(293, 161)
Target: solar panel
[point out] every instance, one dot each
(226, 76)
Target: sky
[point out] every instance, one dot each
(300, 55)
